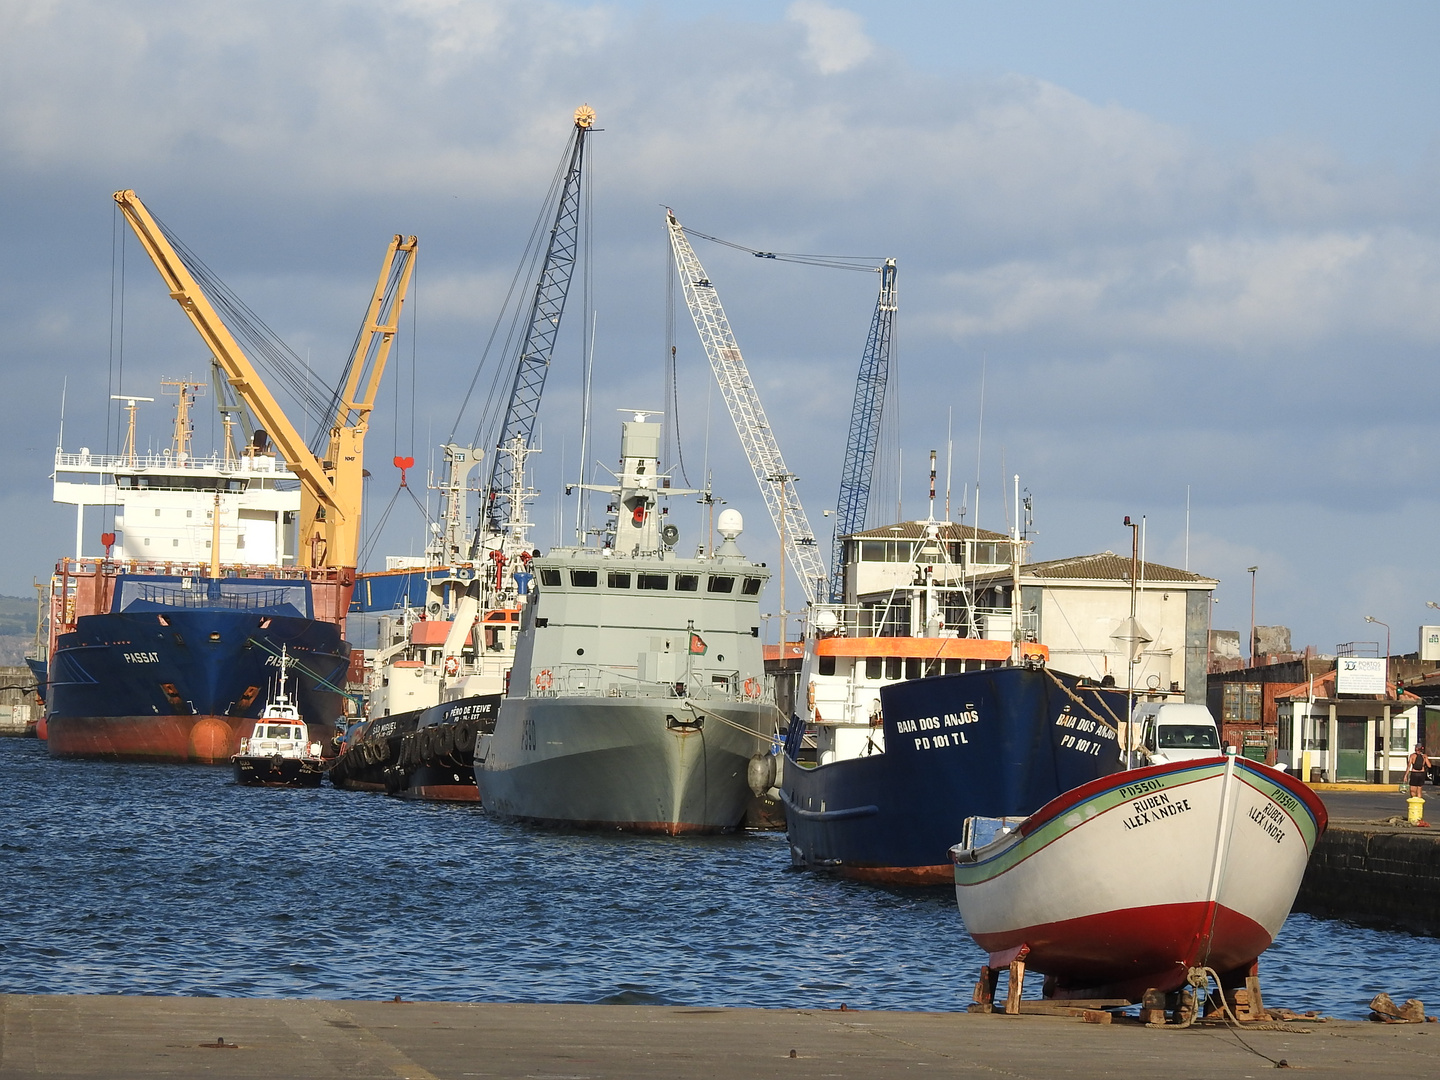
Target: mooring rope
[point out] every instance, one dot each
(700, 711)
(1199, 981)
(1115, 727)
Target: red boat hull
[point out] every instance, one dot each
(1123, 953)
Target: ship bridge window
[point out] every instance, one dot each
(617, 580)
(991, 552)
(751, 586)
(659, 582)
(720, 583)
(888, 550)
(687, 582)
(826, 665)
(549, 577)
(585, 579)
(892, 667)
(874, 667)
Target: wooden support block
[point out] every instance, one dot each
(1152, 1007)
(1070, 1007)
(1096, 1016)
(1255, 1003)
(984, 994)
(1185, 1005)
(1017, 984)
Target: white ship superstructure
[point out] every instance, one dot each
(173, 505)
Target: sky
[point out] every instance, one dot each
(1191, 254)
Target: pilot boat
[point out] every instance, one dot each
(278, 751)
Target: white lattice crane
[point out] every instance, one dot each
(756, 436)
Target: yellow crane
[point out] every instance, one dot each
(330, 489)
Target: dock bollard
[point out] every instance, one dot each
(1416, 808)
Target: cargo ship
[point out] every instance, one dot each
(162, 648)
(215, 566)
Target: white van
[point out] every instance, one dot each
(1174, 731)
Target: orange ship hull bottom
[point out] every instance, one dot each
(203, 740)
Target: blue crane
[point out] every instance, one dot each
(546, 309)
(864, 437)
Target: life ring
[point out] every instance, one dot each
(810, 696)
(752, 688)
(452, 665)
(544, 681)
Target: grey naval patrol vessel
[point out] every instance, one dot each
(638, 691)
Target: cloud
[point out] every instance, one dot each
(1239, 291)
(835, 39)
(1155, 308)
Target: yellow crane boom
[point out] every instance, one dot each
(330, 490)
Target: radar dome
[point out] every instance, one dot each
(730, 524)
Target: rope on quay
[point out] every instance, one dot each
(1198, 981)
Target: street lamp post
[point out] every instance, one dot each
(1251, 571)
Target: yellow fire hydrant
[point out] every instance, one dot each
(1417, 809)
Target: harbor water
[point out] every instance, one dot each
(160, 879)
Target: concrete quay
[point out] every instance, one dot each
(132, 1037)
(1372, 872)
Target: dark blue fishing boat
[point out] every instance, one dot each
(999, 742)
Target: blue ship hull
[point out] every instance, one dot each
(162, 682)
(997, 743)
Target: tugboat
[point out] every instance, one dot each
(445, 649)
(278, 752)
(638, 693)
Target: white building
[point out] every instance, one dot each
(1080, 609)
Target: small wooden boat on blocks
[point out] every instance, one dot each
(1137, 881)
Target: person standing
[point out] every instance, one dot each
(1419, 766)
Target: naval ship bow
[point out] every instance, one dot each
(638, 691)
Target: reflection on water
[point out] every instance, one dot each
(171, 880)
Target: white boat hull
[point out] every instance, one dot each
(1127, 882)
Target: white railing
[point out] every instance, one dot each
(263, 463)
(854, 620)
(605, 680)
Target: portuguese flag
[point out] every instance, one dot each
(697, 645)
